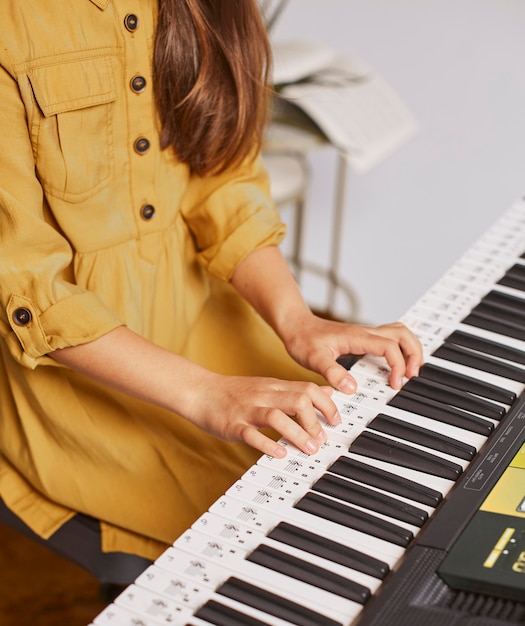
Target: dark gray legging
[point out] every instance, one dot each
(79, 541)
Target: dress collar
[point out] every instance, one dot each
(101, 4)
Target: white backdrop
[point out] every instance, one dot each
(459, 67)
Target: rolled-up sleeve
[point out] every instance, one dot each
(231, 215)
(41, 307)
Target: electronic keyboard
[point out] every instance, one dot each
(358, 533)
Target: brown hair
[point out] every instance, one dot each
(211, 67)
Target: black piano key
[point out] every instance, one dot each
(366, 498)
(466, 383)
(487, 321)
(510, 319)
(384, 449)
(375, 477)
(454, 397)
(441, 412)
(422, 436)
(221, 615)
(486, 346)
(354, 518)
(497, 312)
(327, 549)
(514, 277)
(318, 577)
(465, 356)
(505, 302)
(271, 603)
(513, 282)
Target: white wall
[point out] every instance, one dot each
(459, 66)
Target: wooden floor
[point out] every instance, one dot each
(39, 588)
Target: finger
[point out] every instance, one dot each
(396, 360)
(304, 430)
(303, 401)
(413, 365)
(338, 376)
(413, 351)
(402, 351)
(256, 439)
(326, 406)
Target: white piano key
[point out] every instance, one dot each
(249, 478)
(442, 455)
(343, 433)
(372, 403)
(265, 618)
(154, 606)
(260, 479)
(198, 543)
(442, 485)
(402, 524)
(370, 365)
(265, 518)
(239, 535)
(266, 477)
(425, 507)
(115, 615)
(458, 434)
(486, 377)
(248, 539)
(177, 588)
(355, 576)
(375, 385)
(300, 465)
(434, 334)
(215, 574)
(352, 412)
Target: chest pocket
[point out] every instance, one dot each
(73, 131)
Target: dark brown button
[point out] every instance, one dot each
(147, 211)
(141, 145)
(131, 22)
(138, 84)
(22, 317)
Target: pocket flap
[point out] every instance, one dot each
(73, 85)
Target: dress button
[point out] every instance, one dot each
(141, 145)
(138, 84)
(22, 317)
(131, 22)
(147, 211)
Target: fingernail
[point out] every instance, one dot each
(322, 437)
(347, 386)
(311, 446)
(279, 452)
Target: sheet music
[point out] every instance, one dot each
(356, 109)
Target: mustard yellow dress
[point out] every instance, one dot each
(100, 228)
